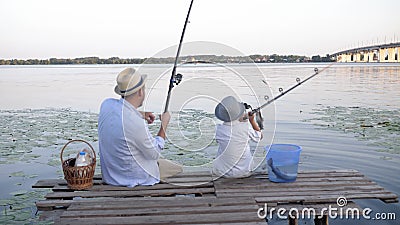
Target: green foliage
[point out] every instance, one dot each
(257, 58)
(85, 60)
(318, 58)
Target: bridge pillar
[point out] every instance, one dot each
(388, 54)
(364, 56)
(370, 56)
(344, 58)
(340, 58)
(393, 55)
(383, 55)
(374, 56)
(349, 57)
(357, 57)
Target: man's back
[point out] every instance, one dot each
(124, 140)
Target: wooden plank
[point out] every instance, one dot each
(97, 179)
(294, 192)
(259, 189)
(284, 196)
(124, 203)
(46, 205)
(48, 183)
(190, 177)
(323, 198)
(212, 218)
(264, 178)
(123, 194)
(194, 173)
(145, 199)
(105, 187)
(313, 178)
(197, 179)
(270, 185)
(155, 210)
(51, 216)
(394, 200)
(203, 176)
(252, 180)
(128, 203)
(240, 223)
(329, 171)
(299, 180)
(311, 175)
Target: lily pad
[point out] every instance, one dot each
(5, 202)
(20, 192)
(22, 216)
(18, 174)
(5, 219)
(25, 129)
(374, 126)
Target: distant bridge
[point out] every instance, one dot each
(376, 53)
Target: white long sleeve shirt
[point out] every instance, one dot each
(234, 157)
(128, 151)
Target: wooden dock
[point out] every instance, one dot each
(196, 198)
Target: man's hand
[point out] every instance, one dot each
(149, 117)
(165, 117)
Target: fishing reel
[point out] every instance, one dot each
(247, 106)
(259, 117)
(177, 78)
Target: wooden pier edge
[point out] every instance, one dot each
(183, 198)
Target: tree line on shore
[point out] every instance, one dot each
(184, 59)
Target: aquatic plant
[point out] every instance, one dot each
(378, 127)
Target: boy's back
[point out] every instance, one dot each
(234, 158)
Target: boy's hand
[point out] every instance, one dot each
(251, 116)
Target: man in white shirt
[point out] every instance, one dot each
(129, 154)
(234, 158)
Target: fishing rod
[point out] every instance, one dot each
(177, 78)
(257, 111)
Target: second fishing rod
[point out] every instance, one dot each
(257, 110)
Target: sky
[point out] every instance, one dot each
(141, 28)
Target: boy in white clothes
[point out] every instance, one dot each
(234, 157)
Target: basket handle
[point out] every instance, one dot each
(69, 142)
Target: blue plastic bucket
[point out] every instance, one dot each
(282, 162)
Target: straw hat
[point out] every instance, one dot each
(229, 109)
(129, 81)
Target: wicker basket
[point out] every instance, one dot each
(78, 177)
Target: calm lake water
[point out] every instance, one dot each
(347, 117)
